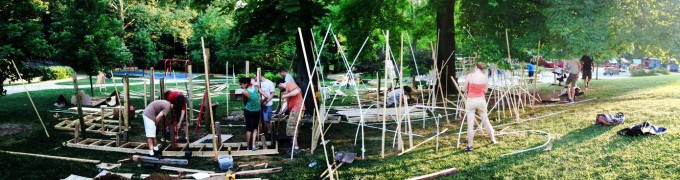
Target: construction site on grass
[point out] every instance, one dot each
(511, 95)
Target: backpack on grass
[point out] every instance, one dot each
(610, 119)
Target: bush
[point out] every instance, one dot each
(661, 71)
(61, 72)
(641, 72)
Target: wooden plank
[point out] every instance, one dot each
(436, 174)
(155, 160)
(53, 157)
(179, 169)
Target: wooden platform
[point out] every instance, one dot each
(142, 148)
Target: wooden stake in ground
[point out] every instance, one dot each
(190, 99)
(153, 84)
(206, 63)
(126, 114)
(384, 106)
(247, 69)
(33, 104)
(79, 101)
(261, 122)
(145, 95)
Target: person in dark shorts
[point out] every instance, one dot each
(573, 67)
(251, 110)
(588, 66)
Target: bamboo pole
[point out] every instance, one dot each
(387, 59)
(316, 106)
(33, 104)
(405, 100)
(398, 107)
(206, 63)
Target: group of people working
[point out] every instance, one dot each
(257, 99)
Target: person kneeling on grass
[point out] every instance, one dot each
(475, 86)
(295, 107)
(251, 110)
(152, 115)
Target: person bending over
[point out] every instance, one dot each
(152, 115)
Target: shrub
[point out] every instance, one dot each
(62, 72)
(661, 71)
(640, 72)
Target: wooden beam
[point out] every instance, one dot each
(126, 115)
(206, 63)
(179, 169)
(53, 157)
(155, 160)
(436, 174)
(79, 103)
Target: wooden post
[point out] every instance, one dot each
(161, 90)
(145, 95)
(190, 99)
(248, 69)
(126, 115)
(206, 63)
(79, 104)
(226, 83)
(153, 85)
(387, 59)
(218, 131)
(261, 119)
(77, 133)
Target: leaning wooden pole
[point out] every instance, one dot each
(405, 100)
(316, 104)
(31, 99)
(145, 95)
(206, 64)
(387, 60)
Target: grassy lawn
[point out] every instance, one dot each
(580, 149)
(85, 81)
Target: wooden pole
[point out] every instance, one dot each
(31, 99)
(206, 63)
(384, 106)
(247, 69)
(191, 98)
(126, 116)
(405, 100)
(398, 107)
(78, 104)
(226, 83)
(153, 85)
(145, 94)
(161, 89)
(53, 157)
(261, 122)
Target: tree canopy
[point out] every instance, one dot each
(100, 34)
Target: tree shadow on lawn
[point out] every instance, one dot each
(508, 163)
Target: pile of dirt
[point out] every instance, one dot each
(10, 129)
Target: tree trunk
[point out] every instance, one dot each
(301, 77)
(91, 87)
(447, 44)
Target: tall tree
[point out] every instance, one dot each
(22, 37)
(580, 26)
(446, 44)
(89, 37)
(277, 22)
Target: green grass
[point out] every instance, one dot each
(85, 81)
(581, 150)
